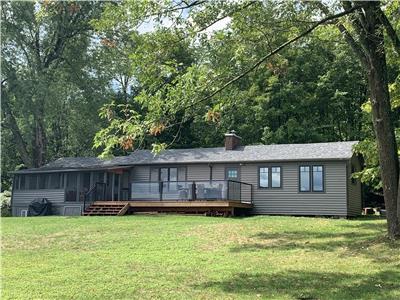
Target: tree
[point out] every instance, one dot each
(39, 44)
(369, 25)
(205, 85)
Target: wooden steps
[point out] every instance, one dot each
(120, 208)
(107, 209)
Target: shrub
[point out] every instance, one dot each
(5, 199)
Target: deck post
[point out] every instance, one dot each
(161, 186)
(251, 194)
(193, 190)
(240, 192)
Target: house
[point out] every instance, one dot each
(292, 179)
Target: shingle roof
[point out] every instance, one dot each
(258, 153)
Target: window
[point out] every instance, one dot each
(164, 174)
(305, 181)
(318, 178)
(276, 177)
(232, 174)
(311, 178)
(168, 174)
(263, 177)
(173, 174)
(269, 177)
(169, 177)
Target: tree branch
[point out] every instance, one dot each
(358, 27)
(346, 34)
(174, 8)
(284, 45)
(227, 15)
(13, 125)
(390, 31)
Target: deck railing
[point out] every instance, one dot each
(201, 190)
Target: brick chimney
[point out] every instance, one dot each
(232, 141)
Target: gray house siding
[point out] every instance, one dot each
(140, 173)
(218, 172)
(198, 172)
(354, 189)
(22, 198)
(340, 197)
(193, 172)
(287, 200)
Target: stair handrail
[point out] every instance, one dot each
(91, 191)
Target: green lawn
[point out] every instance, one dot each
(183, 257)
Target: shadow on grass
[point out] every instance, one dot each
(356, 224)
(311, 285)
(348, 243)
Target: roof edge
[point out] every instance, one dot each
(40, 171)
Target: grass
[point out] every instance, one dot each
(184, 257)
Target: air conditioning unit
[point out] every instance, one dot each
(24, 213)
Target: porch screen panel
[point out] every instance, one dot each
(43, 181)
(125, 185)
(22, 182)
(32, 182)
(56, 181)
(71, 189)
(84, 185)
(116, 186)
(98, 177)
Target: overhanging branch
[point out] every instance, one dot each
(390, 31)
(281, 47)
(358, 50)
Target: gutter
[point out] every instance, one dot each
(40, 171)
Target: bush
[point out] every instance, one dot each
(5, 199)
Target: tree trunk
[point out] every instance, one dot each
(13, 125)
(39, 142)
(381, 115)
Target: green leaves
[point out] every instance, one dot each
(125, 129)
(371, 173)
(158, 148)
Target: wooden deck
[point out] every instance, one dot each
(211, 207)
